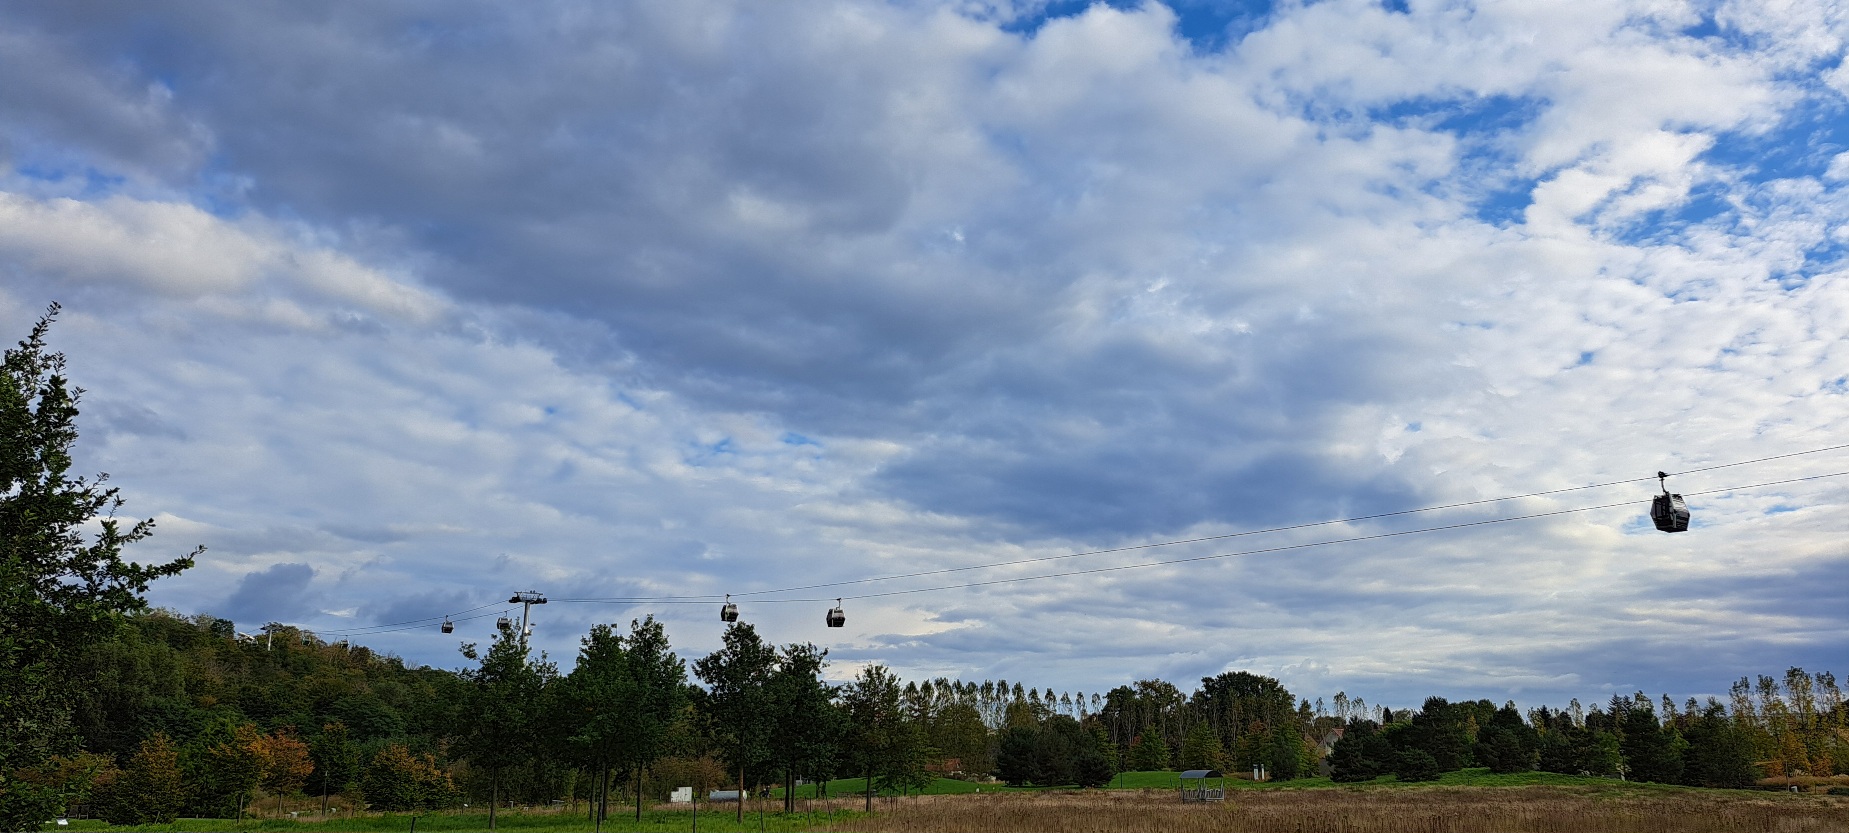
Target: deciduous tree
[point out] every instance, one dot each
(736, 676)
(500, 718)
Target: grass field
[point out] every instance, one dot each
(1369, 809)
(1460, 802)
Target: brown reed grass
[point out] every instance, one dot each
(1422, 810)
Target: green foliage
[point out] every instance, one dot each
(150, 790)
(620, 703)
(1441, 729)
(737, 702)
(1507, 744)
(1148, 754)
(1286, 756)
(501, 721)
(1720, 752)
(1241, 705)
(397, 780)
(806, 727)
(1650, 752)
(1416, 764)
(958, 733)
(1362, 754)
(1201, 749)
(884, 743)
(1055, 753)
(58, 591)
(336, 759)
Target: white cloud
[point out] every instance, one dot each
(176, 249)
(706, 300)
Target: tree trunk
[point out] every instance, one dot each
(638, 790)
(600, 797)
(741, 793)
(789, 791)
(869, 791)
(494, 795)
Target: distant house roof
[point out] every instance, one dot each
(1202, 773)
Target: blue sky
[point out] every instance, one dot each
(400, 309)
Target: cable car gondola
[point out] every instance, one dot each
(836, 618)
(728, 612)
(503, 623)
(448, 626)
(1669, 511)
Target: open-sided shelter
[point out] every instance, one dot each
(1203, 785)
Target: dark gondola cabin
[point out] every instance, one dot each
(448, 626)
(836, 618)
(1668, 511)
(728, 612)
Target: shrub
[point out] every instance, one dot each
(1416, 765)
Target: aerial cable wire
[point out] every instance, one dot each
(1134, 547)
(427, 620)
(1216, 556)
(412, 624)
(1287, 547)
(420, 625)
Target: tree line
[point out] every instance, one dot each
(179, 716)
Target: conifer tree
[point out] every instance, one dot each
(59, 590)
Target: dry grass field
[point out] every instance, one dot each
(1421, 810)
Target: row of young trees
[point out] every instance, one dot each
(1799, 727)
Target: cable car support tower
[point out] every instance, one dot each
(526, 599)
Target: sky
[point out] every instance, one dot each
(399, 308)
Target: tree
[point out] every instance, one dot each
(1416, 764)
(1362, 754)
(1237, 702)
(150, 790)
(1441, 730)
(398, 780)
(736, 676)
(336, 760)
(283, 764)
(1201, 749)
(620, 701)
(658, 680)
(1719, 752)
(237, 765)
(803, 723)
(1505, 752)
(59, 591)
(593, 703)
(1016, 756)
(1148, 754)
(1508, 744)
(500, 717)
(887, 748)
(1650, 752)
(957, 733)
(1068, 754)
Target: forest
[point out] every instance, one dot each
(177, 716)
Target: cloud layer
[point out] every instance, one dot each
(402, 309)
